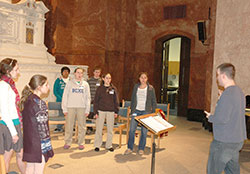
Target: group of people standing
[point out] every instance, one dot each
(78, 94)
(29, 112)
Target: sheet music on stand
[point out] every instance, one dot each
(155, 123)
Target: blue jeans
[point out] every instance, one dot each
(133, 127)
(224, 156)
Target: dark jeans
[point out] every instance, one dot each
(224, 156)
(133, 127)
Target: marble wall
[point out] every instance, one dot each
(94, 33)
(232, 42)
(151, 26)
(120, 36)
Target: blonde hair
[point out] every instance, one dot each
(79, 68)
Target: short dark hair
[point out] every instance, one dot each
(65, 68)
(97, 68)
(104, 75)
(228, 69)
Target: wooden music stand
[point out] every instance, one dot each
(157, 125)
(149, 124)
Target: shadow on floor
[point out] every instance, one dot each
(90, 153)
(121, 158)
(84, 153)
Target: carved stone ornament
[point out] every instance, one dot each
(8, 27)
(22, 38)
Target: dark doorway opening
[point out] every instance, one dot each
(174, 74)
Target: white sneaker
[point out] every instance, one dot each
(141, 152)
(128, 151)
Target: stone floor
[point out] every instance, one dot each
(184, 151)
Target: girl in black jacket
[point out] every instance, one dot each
(106, 105)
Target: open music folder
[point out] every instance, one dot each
(155, 123)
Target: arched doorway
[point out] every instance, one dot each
(167, 92)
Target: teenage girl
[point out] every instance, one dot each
(36, 135)
(76, 104)
(143, 101)
(105, 106)
(11, 138)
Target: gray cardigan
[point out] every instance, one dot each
(150, 101)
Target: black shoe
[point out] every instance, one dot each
(97, 149)
(58, 130)
(88, 132)
(111, 149)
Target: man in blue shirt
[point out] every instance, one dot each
(229, 129)
(58, 89)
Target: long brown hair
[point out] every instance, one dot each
(140, 74)
(6, 66)
(111, 86)
(35, 81)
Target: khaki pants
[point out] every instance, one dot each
(110, 118)
(74, 113)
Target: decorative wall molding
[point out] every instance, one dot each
(22, 38)
(22, 31)
(8, 28)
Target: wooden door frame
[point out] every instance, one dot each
(157, 46)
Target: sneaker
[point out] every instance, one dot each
(58, 130)
(89, 131)
(128, 151)
(141, 152)
(97, 149)
(111, 149)
(81, 147)
(66, 146)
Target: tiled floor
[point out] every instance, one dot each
(184, 151)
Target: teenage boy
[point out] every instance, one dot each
(94, 83)
(58, 89)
